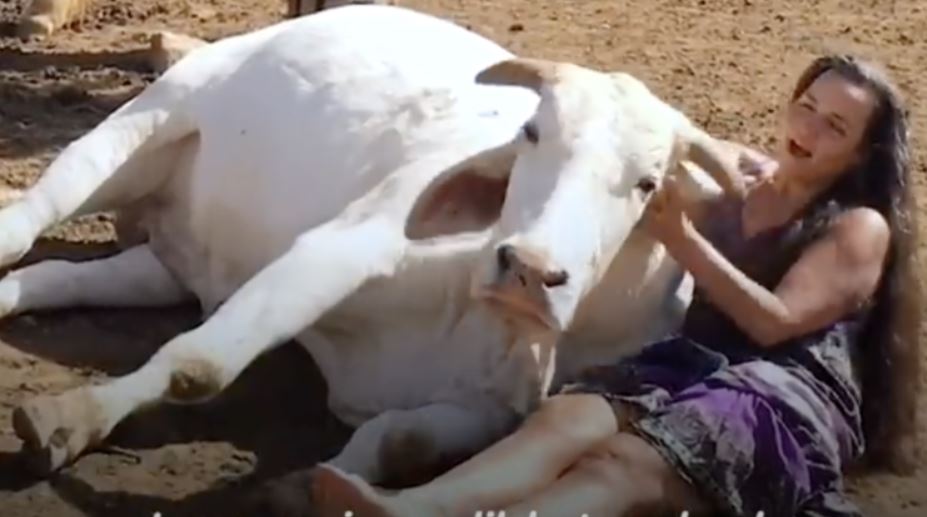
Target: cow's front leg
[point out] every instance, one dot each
(323, 267)
(407, 447)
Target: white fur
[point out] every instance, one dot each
(274, 173)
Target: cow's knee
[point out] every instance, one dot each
(194, 380)
(579, 418)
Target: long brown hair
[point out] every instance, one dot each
(889, 361)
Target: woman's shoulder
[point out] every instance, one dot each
(850, 256)
(861, 234)
(861, 218)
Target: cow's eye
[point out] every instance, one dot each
(530, 130)
(647, 184)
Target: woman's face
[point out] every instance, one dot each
(824, 127)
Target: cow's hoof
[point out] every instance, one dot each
(56, 430)
(286, 496)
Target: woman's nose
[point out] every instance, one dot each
(806, 130)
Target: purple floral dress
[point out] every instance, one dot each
(753, 429)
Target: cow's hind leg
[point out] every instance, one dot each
(321, 269)
(132, 278)
(83, 180)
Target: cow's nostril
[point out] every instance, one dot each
(504, 256)
(556, 278)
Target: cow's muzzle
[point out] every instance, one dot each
(521, 285)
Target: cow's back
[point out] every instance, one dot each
(315, 117)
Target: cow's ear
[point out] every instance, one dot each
(467, 198)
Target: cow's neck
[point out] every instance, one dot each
(522, 364)
(642, 296)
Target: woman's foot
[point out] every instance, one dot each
(335, 493)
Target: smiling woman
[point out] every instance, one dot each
(826, 122)
(757, 404)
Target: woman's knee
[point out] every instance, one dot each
(576, 417)
(627, 462)
(623, 461)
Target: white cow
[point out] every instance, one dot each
(341, 178)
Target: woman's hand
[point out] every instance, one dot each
(665, 216)
(755, 167)
(752, 169)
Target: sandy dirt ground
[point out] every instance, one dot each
(727, 62)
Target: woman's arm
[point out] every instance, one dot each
(831, 278)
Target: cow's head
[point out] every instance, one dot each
(574, 184)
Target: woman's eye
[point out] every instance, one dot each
(836, 128)
(646, 185)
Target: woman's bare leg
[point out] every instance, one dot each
(529, 459)
(565, 428)
(624, 476)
